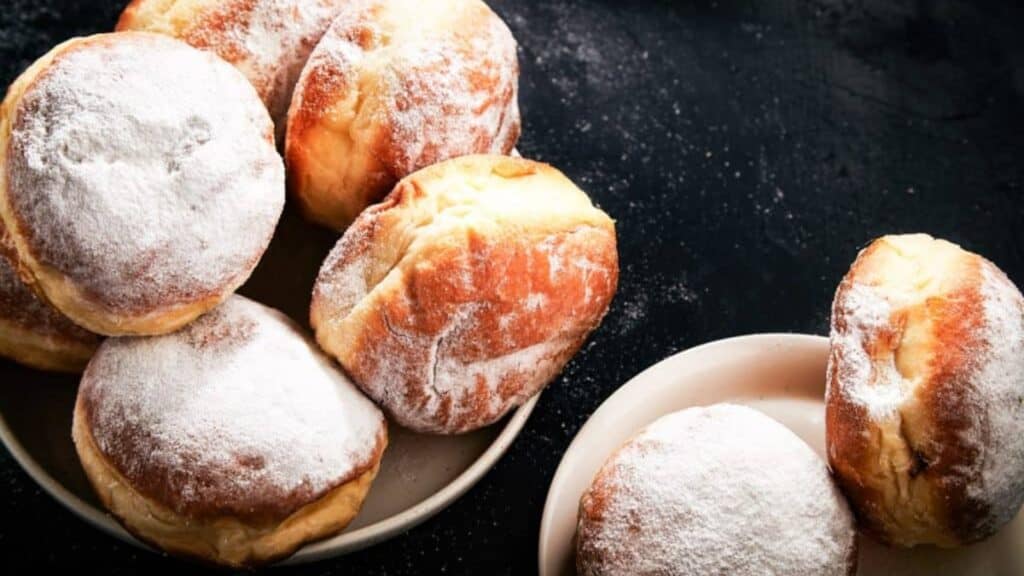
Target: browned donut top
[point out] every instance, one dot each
(237, 415)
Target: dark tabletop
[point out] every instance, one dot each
(747, 149)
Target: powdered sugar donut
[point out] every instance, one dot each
(233, 440)
(33, 333)
(395, 86)
(139, 182)
(467, 290)
(925, 415)
(717, 490)
(267, 40)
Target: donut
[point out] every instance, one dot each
(717, 490)
(925, 399)
(394, 87)
(139, 183)
(466, 290)
(267, 40)
(33, 333)
(233, 441)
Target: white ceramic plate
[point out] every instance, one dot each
(420, 474)
(782, 375)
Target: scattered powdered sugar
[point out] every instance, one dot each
(860, 314)
(717, 490)
(142, 169)
(238, 410)
(1000, 383)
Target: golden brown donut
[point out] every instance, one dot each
(395, 86)
(33, 333)
(467, 290)
(925, 399)
(721, 490)
(234, 440)
(267, 40)
(139, 183)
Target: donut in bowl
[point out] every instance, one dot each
(393, 88)
(925, 398)
(716, 490)
(233, 441)
(466, 290)
(139, 183)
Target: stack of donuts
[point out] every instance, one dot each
(141, 181)
(924, 433)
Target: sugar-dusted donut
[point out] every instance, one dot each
(395, 86)
(139, 183)
(467, 290)
(925, 401)
(234, 440)
(717, 490)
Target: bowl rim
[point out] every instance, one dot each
(667, 365)
(335, 546)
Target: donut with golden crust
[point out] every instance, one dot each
(466, 290)
(394, 87)
(925, 400)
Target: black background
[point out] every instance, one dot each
(747, 149)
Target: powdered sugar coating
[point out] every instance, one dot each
(144, 171)
(268, 40)
(1000, 382)
(870, 382)
(717, 490)
(237, 414)
(392, 88)
(443, 91)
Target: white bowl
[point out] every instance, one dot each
(783, 375)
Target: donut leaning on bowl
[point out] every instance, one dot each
(722, 489)
(466, 290)
(139, 183)
(925, 397)
(233, 441)
(393, 87)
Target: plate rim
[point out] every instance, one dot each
(337, 545)
(667, 363)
